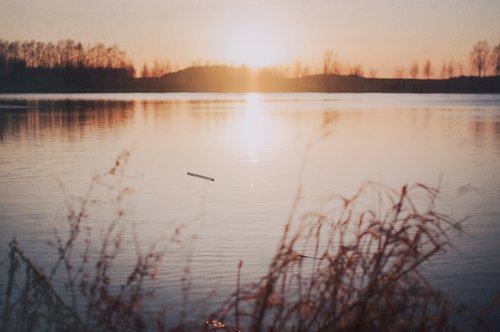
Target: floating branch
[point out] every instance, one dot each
(201, 176)
(311, 257)
(299, 255)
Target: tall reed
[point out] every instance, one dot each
(353, 268)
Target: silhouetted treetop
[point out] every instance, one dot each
(495, 60)
(65, 66)
(479, 57)
(63, 54)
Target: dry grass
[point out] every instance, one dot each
(94, 297)
(361, 271)
(354, 267)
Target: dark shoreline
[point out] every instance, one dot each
(228, 79)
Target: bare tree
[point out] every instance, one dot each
(495, 60)
(372, 73)
(427, 70)
(479, 57)
(167, 67)
(460, 69)
(450, 69)
(356, 70)
(145, 71)
(337, 66)
(444, 71)
(399, 72)
(414, 70)
(331, 63)
(65, 54)
(328, 57)
(156, 70)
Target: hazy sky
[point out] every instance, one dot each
(379, 34)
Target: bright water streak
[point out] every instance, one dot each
(260, 149)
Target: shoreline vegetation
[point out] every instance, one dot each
(71, 67)
(356, 266)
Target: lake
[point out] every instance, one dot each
(260, 149)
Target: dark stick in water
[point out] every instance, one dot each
(201, 176)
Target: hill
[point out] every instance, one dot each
(228, 79)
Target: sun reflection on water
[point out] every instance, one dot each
(254, 125)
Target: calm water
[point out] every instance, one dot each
(260, 148)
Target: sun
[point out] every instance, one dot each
(254, 45)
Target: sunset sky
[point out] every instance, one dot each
(380, 34)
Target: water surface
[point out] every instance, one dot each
(260, 148)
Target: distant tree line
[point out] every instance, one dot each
(63, 54)
(158, 69)
(70, 66)
(482, 60)
(67, 63)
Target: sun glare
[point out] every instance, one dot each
(253, 125)
(252, 101)
(253, 45)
